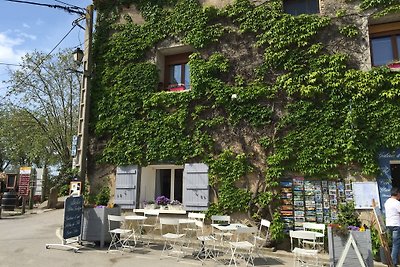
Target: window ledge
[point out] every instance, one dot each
(162, 211)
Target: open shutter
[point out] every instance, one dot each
(126, 186)
(195, 181)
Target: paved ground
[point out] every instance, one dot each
(23, 240)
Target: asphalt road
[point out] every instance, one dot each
(23, 242)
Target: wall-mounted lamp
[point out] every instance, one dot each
(78, 55)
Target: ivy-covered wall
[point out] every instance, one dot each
(304, 102)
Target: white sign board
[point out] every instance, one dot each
(364, 193)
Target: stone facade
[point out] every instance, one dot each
(244, 59)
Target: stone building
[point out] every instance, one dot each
(217, 101)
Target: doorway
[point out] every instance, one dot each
(395, 173)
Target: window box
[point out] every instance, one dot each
(174, 88)
(395, 66)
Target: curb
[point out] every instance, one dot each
(18, 212)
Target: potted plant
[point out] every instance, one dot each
(175, 205)
(394, 66)
(149, 204)
(176, 87)
(276, 231)
(95, 218)
(162, 201)
(348, 225)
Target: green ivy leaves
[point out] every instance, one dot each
(310, 112)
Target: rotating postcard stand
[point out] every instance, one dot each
(72, 223)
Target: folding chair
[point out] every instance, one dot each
(221, 219)
(189, 229)
(316, 227)
(119, 236)
(244, 245)
(171, 239)
(262, 236)
(192, 228)
(207, 244)
(301, 236)
(151, 224)
(305, 257)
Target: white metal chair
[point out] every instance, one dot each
(221, 219)
(172, 239)
(151, 224)
(192, 228)
(302, 236)
(244, 245)
(316, 227)
(305, 257)
(207, 243)
(119, 237)
(262, 236)
(189, 229)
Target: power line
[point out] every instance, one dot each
(69, 9)
(10, 64)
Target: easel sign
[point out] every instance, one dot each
(379, 220)
(73, 208)
(381, 227)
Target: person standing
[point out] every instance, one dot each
(392, 210)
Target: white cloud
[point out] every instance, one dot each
(25, 35)
(39, 22)
(26, 25)
(9, 53)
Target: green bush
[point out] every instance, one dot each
(276, 231)
(347, 215)
(103, 196)
(64, 190)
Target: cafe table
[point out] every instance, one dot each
(226, 229)
(305, 237)
(136, 222)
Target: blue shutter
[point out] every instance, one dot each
(195, 180)
(126, 186)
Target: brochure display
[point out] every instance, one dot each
(307, 200)
(287, 204)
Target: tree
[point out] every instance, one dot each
(43, 109)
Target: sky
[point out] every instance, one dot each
(25, 28)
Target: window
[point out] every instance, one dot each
(169, 183)
(177, 72)
(297, 7)
(385, 43)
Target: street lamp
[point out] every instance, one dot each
(78, 55)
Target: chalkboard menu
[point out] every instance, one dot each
(72, 216)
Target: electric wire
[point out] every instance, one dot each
(10, 64)
(70, 9)
(38, 64)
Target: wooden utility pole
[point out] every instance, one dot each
(84, 103)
